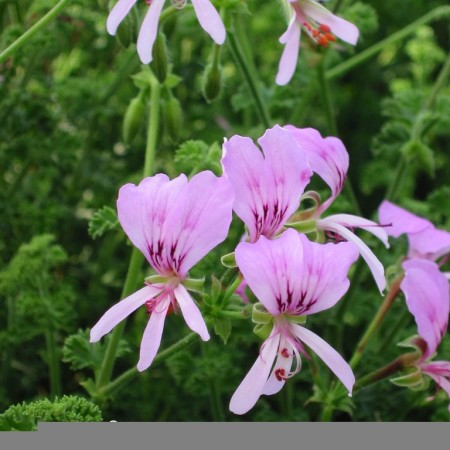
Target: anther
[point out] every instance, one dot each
(280, 374)
(285, 353)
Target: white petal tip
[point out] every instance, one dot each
(205, 337)
(141, 367)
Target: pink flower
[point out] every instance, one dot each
(425, 240)
(292, 278)
(174, 224)
(425, 287)
(428, 299)
(268, 187)
(207, 15)
(329, 159)
(320, 24)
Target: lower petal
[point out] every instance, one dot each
(251, 387)
(210, 20)
(288, 61)
(327, 354)
(372, 261)
(151, 339)
(148, 31)
(117, 14)
(121, 310)
(191, 313)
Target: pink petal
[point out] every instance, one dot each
(142, 210)
(149, 30)
(327, 354)
(444, 383)
(326, 156)
(272, 269)
(440, 368)
(350, 221)
(403, 222)
(151, 339)
(289, 58)
(251, 387)
(428, 299)
(210, 20)
(372, 261)
(267, 190)
(200, 219)
(121, 310)
(341, 28)
(191, 313)
(324, 274)
(430, 243)
(117, 14)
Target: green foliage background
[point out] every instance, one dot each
(63, 157)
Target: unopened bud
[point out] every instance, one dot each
(173, 118)
(159, 64)
(212, 82)
(133, 118)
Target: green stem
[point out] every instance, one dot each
(250, 77)
(153, 125)
(388, 370)
(374, 325)
(341, 69)
(390, 337)
(53, 363)
(123, 379)
(34, 29)
(137, 258)
(329, 110)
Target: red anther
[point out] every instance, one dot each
(324, 28)
(315, 33)
(280, 374)
(322, 40)
(330, 37)
(307, 26)
(285, 353)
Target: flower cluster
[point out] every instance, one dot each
(176, 223)
(320, 24)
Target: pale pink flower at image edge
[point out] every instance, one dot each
(320, 24)
(426, 288)
(207, 15)
(292, 276)
(174, 223)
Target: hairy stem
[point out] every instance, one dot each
(341, 69)
(374, 325)
(33, 30)
(250, 78)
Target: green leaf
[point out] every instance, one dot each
(222, 327)
(105, 219)
(81, 354)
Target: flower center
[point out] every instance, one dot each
(321, 34)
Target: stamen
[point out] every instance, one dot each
(280, 374)
(285, 353)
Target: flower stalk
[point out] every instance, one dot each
(376, 322)
(33, 30)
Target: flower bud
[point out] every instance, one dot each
(133, 118)
(212, 82)
(173, 118)
(159, 64)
